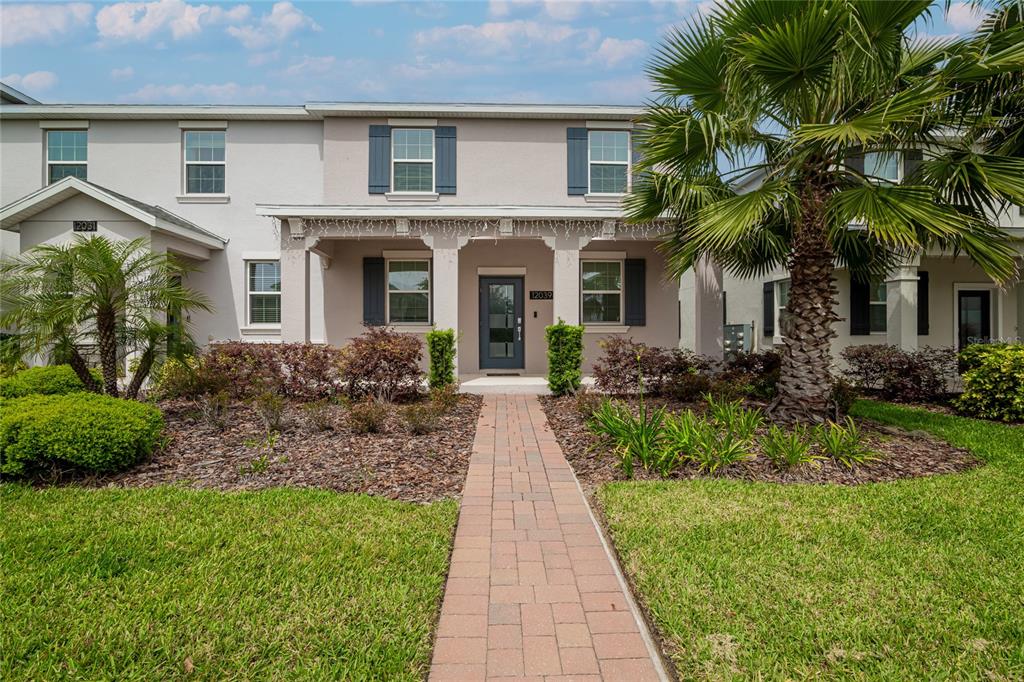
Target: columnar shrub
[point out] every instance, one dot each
(994, 386)
(51, 380)
(383, 364)
(441, 350)
(900, 375)
(94, 432)
(565, 357)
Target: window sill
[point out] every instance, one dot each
(270, 330)
(203, 198)
(605, 328)
(599, 198)
(411, 196)
(410, 328)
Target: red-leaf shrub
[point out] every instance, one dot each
(383, 364)
(622, 361)
(903, 376)
(758, 372)
(304, 371)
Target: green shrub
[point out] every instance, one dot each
(844, 443)
(445, 398)
(94, 432)
(441, 349)
(787, 450)
(972, 356)
(635, 437)
(368, 416)
(565, 357)
(421, 418)
(49, 380)
(994, 385)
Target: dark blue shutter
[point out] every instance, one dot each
(634, 282)
(911, 164)
(373, 291)
(922, 303)
(768, 312)
(576, 151)
(380, 159)
(860, 307)
(444, 147)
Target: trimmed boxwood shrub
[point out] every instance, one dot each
(441, 349)
(87, 430)
(994, 386)
(51, 380)
(565, 357)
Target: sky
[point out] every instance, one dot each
(173, 51)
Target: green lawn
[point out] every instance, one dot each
(917, 579)
(147, 584)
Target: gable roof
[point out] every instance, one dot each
(158, 218)
(9, 95)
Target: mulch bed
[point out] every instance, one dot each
(394, 464)
(903, 454)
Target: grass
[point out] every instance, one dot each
(915, 579)
(166, 582)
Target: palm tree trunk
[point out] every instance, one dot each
(141, 372)
(107, 334)
(82, 371)
(805, 381)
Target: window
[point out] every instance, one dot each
(882, 165)
(609, 161)
(408, 291)
(264, 292)
(204, 162)
(601, 291)
(781, 301)
(67, 152)
(412, 154)
(878, 313)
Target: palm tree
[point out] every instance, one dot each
(111, 293)
(794, 93)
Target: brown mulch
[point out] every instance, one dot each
(902, 454)
(394, 464)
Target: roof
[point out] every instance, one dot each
(156, 217)
(318, 110)
(9, 95)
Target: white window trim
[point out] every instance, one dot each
(628, 163)
(430, 291)
(884, 304)
(249, 293)
(46, 151)
(621, 262)
(432, 161)
(777, 337)
(202, 197)
(995, 307)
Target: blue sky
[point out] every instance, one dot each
(173, 51)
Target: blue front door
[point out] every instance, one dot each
(501, 323)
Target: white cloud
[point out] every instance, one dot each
(30, 22)
(445, 68)
(142, 20)
(507, 36)
(37, 81)
(563, 10)
(283, 20)
(261, 58)
(212, 93)
(613, 51)
(310, 66)
(964, 17)
(630, 90)
(122, 74)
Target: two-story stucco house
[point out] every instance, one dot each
(306, 223)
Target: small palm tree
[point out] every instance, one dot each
(114, 294)
(794, 93)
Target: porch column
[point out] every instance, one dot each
(707, 308)
(294, 283)
(445, 251)
(566, 277)
(901, 306)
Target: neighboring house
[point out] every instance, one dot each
(308, 222)
(932, 300)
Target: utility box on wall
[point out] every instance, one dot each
(736, 338)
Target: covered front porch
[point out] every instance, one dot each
(498, 277)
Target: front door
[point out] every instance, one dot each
(974, 316)
(501, 323)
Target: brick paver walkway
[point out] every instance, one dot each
(532, 592)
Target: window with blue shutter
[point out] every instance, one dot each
(380, 159)
(373, 291)
(576, 152)
(636, 292)
(444, 137)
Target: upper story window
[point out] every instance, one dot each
(67, 154)
(412, 160)
(882, 165)
(601, 291)
(609, 161)
(204, 161)
(263, 280)
(408, 291)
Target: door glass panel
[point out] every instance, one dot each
(501, 320)
(973, 318)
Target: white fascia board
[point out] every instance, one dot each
(584, 212)
(441, 110)
(208, 241)
(152, 111)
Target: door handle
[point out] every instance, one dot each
(519, 327)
